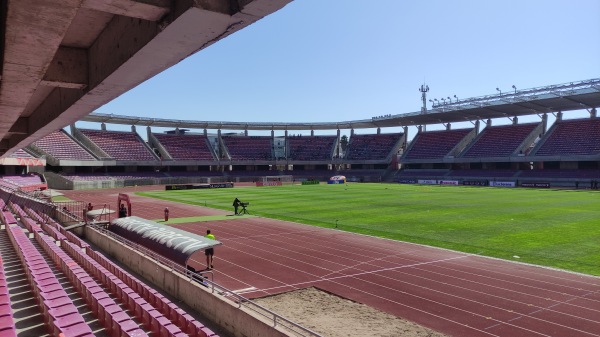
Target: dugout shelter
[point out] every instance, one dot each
(175, 244)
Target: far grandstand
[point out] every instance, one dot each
(561, 153)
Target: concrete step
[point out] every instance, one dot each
(27, 315)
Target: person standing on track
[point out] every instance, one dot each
(209, 252)
(236, 204)
(122, 211)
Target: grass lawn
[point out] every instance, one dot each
(556, 228)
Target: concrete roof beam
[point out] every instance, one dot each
(34, 31)
(136, 41)
(151, 10)
(122, 38)
(21, 126)
(68, 69)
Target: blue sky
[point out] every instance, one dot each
(334, 60)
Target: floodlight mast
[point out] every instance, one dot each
(424, 89)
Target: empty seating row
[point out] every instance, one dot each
(151, 318)
(113, 176)
(169, 309)
(53, 232)
(8, 184)
(24, 180)
(61, 146)
(60, 314)
(572, 137)
(33, 215)
(311, 147)
(109, 314)
(249, 147)
(120, 145)
(69, 235)
(186, 147)
(435, 144)
(6, 216)
(20, 153)
(7, 322)
(500, 141)
(372, 147)
(31, 225)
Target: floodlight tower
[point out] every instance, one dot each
(424, 89)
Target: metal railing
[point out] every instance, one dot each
(240, 300)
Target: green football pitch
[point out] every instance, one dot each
(555, 228)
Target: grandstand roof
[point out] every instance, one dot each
(60, 60)
(548, 99)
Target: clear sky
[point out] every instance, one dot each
(337, 60)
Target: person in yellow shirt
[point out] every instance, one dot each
(209, 252)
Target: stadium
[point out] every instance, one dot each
(369, 227)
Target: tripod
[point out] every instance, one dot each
(244, 210)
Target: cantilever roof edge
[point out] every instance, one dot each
(175, 244)
(563, 97)
(177, 123)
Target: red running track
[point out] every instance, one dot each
(455, 293)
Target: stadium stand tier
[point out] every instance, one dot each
(572, 137)
(311, 148)
(249, 147)
(61, 146)
(24, 180)
(112, 176)
(499, 141)
(186, 147)
(120, 145)
(20, 153)
(435, 144)
(372, 146)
